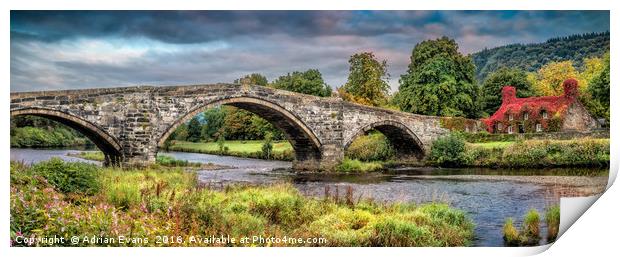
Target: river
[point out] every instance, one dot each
(488, 196)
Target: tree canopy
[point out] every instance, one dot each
(439, 81)
(308, 82)
(492, 87)
(367, 81)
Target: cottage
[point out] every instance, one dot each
(541, 114)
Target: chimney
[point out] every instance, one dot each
(509, 94)
(571, 88)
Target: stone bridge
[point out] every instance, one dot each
(130, 124)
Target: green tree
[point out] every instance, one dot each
(194, 129)
(308, 82)
(214, 121)
(598, 89)
(253, 79)
(367, 82)
(492, 87)
(439, 81)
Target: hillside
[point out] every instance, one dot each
(530, 57)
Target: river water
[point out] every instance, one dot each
(488, 202)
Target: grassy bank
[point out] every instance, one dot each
(161, 159)
(584, 152)
(282, 150)
(57, 198)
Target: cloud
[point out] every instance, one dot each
(82, 49)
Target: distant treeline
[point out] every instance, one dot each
(531, 57)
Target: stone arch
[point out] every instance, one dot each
(405, 141)
(305, 143)
(104, 141)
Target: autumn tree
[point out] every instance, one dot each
(492, 87)
(593, 67)
(367, 82)
(439, 81)
(308, 82)
(180, 133)
(550, 77)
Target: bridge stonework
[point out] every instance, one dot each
(131, 124)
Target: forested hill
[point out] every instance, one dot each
(530, 57)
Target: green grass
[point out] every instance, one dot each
(249, 146)
(496, 144)
(146, 203)
(354, 165)
(89, 155)
(282, 150)
(161, 159)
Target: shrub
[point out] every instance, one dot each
(511, 234)
(372, 147)
(69, 177)
(448, 151)
(552, 218)
(267, 146)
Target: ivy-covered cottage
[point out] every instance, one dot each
(541, 114)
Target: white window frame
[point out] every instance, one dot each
(500, 126)
(510, 131)
(510, 117)
(526, 116)
(538, 127)
(545, 114)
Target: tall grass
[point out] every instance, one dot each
(531, 227)
(165, 201)
(552, 218)
(511, 234)
(354, 165)
(530, 230)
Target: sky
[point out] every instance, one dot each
(53, 50)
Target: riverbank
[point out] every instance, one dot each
(282, 150)
(58, 198)
(454, 151)
(161, 159)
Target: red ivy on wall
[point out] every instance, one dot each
(554, 106)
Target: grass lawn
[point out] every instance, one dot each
(248, 146)
(282, 150)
